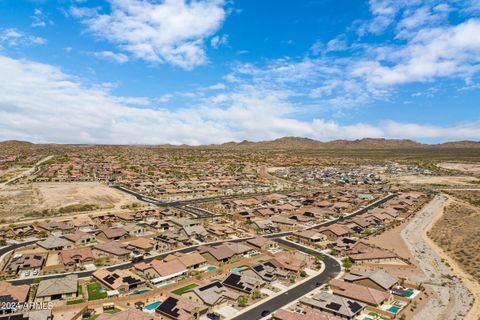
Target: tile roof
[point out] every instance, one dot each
(55, 286)
(358, 292)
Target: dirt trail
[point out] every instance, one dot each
(453, 299)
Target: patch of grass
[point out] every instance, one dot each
(75, 301)
(94, 292)
(185, 289)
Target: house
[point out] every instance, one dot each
(343, 244)
(162, 271)
(113, 248)
(223, 253)
(306, 313)
(76, 256)
(25, 262)
(262, 243)
(212, 294)
(129, 314)
(113, 233)
(55, 243)
(334, 231)
(80, 237)
(11, 295)
(374, 255)
(134, 230)
(21, 231)
(179, 308)
(62, 226)
(378, 279)
(338, 306)
(265, 271)
(197, 232)
(192, 260)
(290, 261)
(265, 226)
(309, 237)
(185, 222)
(57, 288)
(121, 280)
(358, 292)
(243, 283)
(144, 244)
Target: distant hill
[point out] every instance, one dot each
(292, 143)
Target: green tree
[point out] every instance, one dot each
(242, 301)
(347, 263)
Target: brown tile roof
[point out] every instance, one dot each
(129, 314)
(307, 314)
(113, 247)
(358, 292)
(81, 254)
(19, 293)
(74, 237)
(114, 232)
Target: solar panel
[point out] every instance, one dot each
(333, 306)
(211, 285)
(354, 306)
(130, 280)
(169, 306)
(258, 268)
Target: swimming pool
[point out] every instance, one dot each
(152, 306)
(408, 293)
(394, 309)
(236, 270)
(141, 292)
(211, 268)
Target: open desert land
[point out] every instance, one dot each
(436, 180)
(454, 295)
(460, 249)
(43, 199)
(464, 167)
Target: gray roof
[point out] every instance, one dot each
(53, 242)
(56, 286)
(335, 304)
(380, 277)
(213, 292)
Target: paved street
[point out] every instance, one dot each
(332, 269)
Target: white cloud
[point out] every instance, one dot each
(39, 20)
(13, 38)
(40, 103)
(171, 31)
(217, 86)
(112, 56)
(438, 52)
(217, 41)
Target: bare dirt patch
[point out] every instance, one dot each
(464, 167)
(437, 180)
(23, 200)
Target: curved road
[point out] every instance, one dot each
(332, 269)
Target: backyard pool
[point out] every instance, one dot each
(408, 293)
(211, 268)
(236, 270)
(141, 292)
(152, 306)
(394, 309)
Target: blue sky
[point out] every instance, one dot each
(212, 71)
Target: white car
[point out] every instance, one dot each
(27, 273)
(35, 272)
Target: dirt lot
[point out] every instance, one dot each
(437, 180)
(462, 246)
(465, 167)
(21, 200)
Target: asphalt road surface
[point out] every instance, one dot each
(332, 269)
